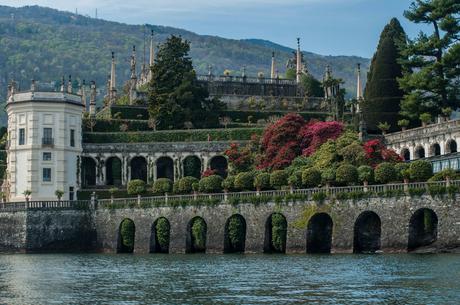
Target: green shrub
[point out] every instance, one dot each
(127, 232)
(365, 174)
(319, 197)
(311, 177)
(420, 170)
(437, 190)
(211, 184)
(229, 183)
(347, 174)
(328, 175)
(162, 229)
(444, 174)
(262, 181)
(416, 192)
(278, 179)
(279, 232)
(184, 185)
(162, 186)
(385, 173)
(402, 171)
(245, 181)
(136, 187)
(295, 180)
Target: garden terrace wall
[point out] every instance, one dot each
(394, 214)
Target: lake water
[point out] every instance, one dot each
(229, 279)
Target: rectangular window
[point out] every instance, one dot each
(71, 193)
(22, 136)
(48, 136)
(72, 137)
(46, 156)
(47, 175)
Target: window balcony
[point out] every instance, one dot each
(48, 142)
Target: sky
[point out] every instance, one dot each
(328, 27)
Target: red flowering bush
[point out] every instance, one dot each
(241, 159)
(280, 142)
(377, 153)
(315, 133)
(208, 172)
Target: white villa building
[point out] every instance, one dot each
(44, 130)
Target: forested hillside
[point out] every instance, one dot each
(44, 44)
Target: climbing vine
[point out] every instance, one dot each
(199, 234)
(279, 232)
(162, 229)
(127, 231)
(236, 233)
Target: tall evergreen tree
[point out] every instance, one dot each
(382, 95)
(433, 60)
(175, 97)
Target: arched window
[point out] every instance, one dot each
(139, 169)
(405, 154)
(88, 172)
(319, 234)
(419, 152)
(113, 171)
(435, 150)
(192, 167)
(423, 229)
(220, 165)
(451, 147)
(165, 168)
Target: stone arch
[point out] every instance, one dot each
(165, 168)
(419, 152)
(319, 233)
(126, 236)
(220, 165)
(405, 154)
(275, 233)
(192, 166)
(435, 150)
(113, 171)
(196, 235)
(423, 229)
(88, 172)
(138, 168)
(160, 236)
(367, 233)
(235, 234)
(451, 146)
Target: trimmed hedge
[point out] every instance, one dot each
(420, 170)
(129, 112)
(243, 115)
(347, 174)
(184, 185)
(262, 181)
(162, 229)
(279, 232)
(162, 186)
(211, 184)
(245, 181)
(113, 125)
(199, 135)
(385, 173)
(278, 179)
(136, 187)
(311, 177)
(365, 174)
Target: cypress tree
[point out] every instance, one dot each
(382, 95)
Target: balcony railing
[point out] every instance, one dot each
(47, 141)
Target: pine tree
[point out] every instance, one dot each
(382, 95)
(432, 66)
(175, 97)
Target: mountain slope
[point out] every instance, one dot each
(44, 44)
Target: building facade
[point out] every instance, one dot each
(44, 130)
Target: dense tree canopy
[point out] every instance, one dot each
(175, 97)
(382, 95)
(432, 67)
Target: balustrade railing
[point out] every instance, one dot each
(307, 194)
(332, 192)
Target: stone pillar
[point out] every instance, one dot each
(150, 169)
(442, 145)
(412, 152)
(426, 147)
